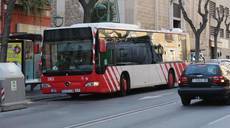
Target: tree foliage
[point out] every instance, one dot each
(29, 6)
(98, 10)
(33, 6)
(104, 11)
(88, 9)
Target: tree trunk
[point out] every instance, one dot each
(215, 47)
(197, 47)
(87, 16)
(6, 30)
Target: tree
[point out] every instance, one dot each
(88, 8)
(104, 11)
(197, 31)
(227, 24)
(28, 6)
(6, 29)
(219, 17)
(33, 6)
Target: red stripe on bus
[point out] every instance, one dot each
(107, 84)
(184, 65)
(163, 72)
(177, 70)
(180, 67)
(111, 84)
(166, 66)
(110, 76)
(117, 77)
(114, 78)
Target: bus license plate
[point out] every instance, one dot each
(71, 90)
(77, 90)
(67, 91)
(199, 80)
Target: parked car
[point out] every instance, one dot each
(205, 81)
(220, 61)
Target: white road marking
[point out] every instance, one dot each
(117, 116)
(218, 120)
(154, 97)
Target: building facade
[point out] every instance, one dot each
(26, 22)
(159, 15)
(26, 30)
(165, 15)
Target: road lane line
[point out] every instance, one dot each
(156, 96)
(120, 115)
(218, 120)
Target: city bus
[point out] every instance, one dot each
(110, 58)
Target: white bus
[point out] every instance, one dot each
(110, 57)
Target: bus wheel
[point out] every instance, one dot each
(171, 80)
(74, 95)
(123, 86)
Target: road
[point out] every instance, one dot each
(153, 108)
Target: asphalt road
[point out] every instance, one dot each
(153, 108)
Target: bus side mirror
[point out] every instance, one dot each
(102, 45)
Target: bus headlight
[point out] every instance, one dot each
(92, 84)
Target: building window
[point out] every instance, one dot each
(176, 10)
(212, 8)
(221, 9)
(227, 11)
(176, 24)
(212, 30)
(227, 34)
(176, 16)
(227, 57)
(221, 33)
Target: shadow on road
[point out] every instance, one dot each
(208, 103)
(95, 97)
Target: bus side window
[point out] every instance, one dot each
(157, 53)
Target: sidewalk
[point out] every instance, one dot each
(36, 95)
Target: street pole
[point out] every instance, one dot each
(117, 12)
(108, 11)
(2, 14)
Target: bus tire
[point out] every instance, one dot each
(185, 101)
(171, 79)
(123, 86)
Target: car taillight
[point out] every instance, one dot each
(217, 79)
(183, 80)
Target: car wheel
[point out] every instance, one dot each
(226, 101)
(171, 80)
(185, 101)
(123, 86)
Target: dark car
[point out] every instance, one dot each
(205, 81)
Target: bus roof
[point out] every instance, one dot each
(107, 25)
(119, 26)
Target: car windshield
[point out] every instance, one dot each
(202, 69)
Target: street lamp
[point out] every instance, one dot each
(58, 21)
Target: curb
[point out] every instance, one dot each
(40, 97)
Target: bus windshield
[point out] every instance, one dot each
(70, 54)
